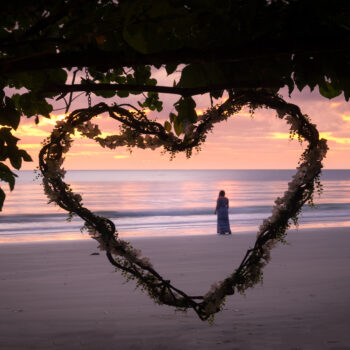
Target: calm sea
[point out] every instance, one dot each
(167, 202)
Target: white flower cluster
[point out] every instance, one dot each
(89, 130)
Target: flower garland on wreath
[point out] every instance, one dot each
(138, 131)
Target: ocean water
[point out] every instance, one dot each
(167, 202)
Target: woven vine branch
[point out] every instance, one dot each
(137, 130)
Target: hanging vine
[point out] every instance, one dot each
(137, 130)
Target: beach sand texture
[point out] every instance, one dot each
(56, 295)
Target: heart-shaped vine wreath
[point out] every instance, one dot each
(137, 130)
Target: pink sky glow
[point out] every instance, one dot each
(242, 142)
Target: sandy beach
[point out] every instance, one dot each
(59, 295)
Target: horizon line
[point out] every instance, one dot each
(182, 169)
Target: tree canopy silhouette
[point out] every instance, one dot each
(230, 46)
(246, 50)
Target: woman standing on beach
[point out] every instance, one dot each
(222, 205)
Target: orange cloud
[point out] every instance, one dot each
(82, 153)
(44, 128)
(200, 111)
(120, 156)
(330, 137)
(31, 130)
(30, 145)
(323, 135)
(279, 135)
(38, 130)
(335, 104)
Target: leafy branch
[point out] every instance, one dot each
(64, 89)
(9, 150)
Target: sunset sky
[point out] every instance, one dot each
(243, 142)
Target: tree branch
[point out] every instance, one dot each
(71, 94)
(64, 89)
(107, 60)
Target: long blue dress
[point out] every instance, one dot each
(222, 212)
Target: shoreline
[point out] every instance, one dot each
(86, 238)
(57, 295)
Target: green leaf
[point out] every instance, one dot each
(9, 149)
(38, 79)
(217, 94)
(105, 94)
(137, 38)
(290, 84)
(7, 175)
(193, 75)
(300, 83)
(123, 93)
(200, 75)
(327, 90)
(152, 102)
(31, 104)
(151, 82)
(186, 110)
(6, 136)
(2, 198)
(172, 117)
(141, 74)
(170, 68)
(9, 115)
(167, 126)
(26, 157)
(15, 159)
(178, 127)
